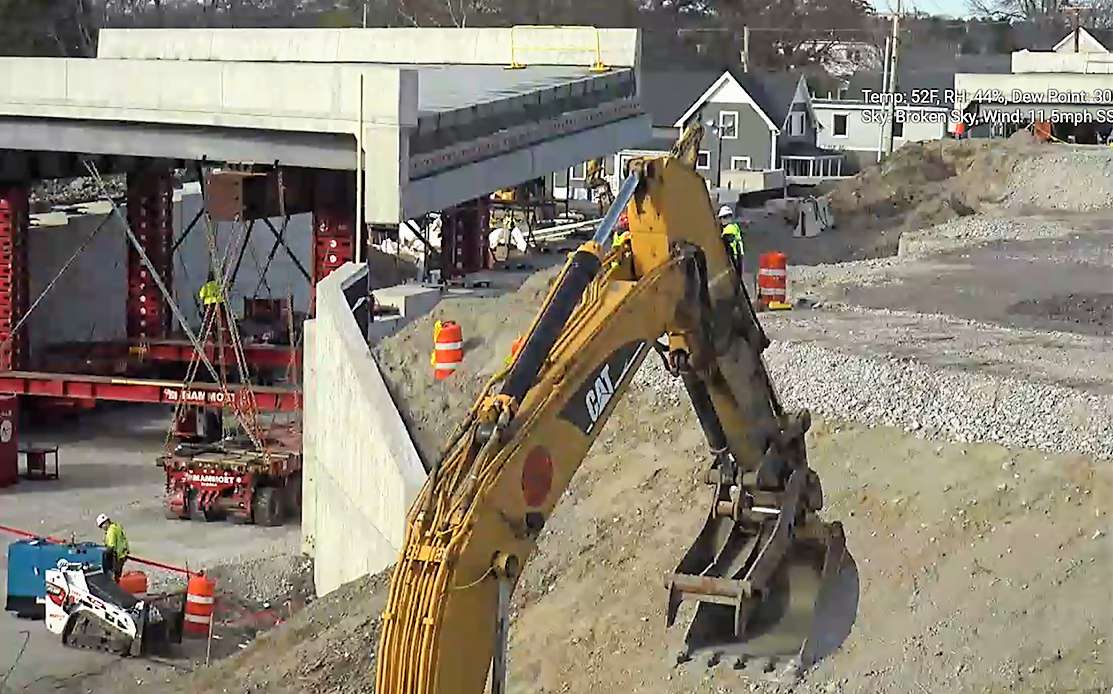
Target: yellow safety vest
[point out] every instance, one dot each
(732, 234)
(116, 540)
(210, 293)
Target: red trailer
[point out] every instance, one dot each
(233, 479)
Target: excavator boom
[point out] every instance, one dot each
(756, 569)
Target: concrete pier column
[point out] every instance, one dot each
(14, 299)
(150, 207)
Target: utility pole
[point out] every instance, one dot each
(746, 48)
(895, 52)
(364, 14)
(884, 90)
(1075, 11)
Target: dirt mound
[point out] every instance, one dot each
(329, 647)
(929, 183)
(432, 408)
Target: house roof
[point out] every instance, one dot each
(667, 94)
(772, 93)
(1104, 37)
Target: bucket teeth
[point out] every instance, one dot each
(682, 656)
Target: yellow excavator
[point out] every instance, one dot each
(773, 585)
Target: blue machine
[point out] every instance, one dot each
(28, 561)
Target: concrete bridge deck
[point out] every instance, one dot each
(440, 114)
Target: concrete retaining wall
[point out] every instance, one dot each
(361, 468)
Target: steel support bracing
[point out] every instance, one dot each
(14, 223)
(150, 212)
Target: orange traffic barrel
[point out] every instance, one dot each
(448, 348)
(772, 278)
(200, 600)
(134, 582)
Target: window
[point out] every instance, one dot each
(739, 163)
(579, 172)
(796, 123)
(703, 159)
(839, 129)
(898, 127)
(728, 125)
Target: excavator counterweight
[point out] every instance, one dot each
(773, 585)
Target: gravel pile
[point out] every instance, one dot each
(902, 393)
(267, 579)
(1078, 179)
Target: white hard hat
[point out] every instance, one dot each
(725, 211)
(101, 520)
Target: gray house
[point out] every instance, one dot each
(760, 122)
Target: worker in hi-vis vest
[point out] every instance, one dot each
(116, 546)
(210, 292)
(621, 231)
(732, 238)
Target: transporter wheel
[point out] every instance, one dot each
(171, 514)
(267, 506)
(197, 514)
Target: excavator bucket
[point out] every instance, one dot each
(773, 597)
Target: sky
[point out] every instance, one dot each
(952, 8)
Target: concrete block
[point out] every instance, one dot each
(384, 327)
(411, 300)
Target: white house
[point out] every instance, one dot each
(857, 128)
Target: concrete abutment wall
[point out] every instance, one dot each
(361, 471)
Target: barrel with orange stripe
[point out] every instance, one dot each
(200, 601)
(772, 278)
(448, 349)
